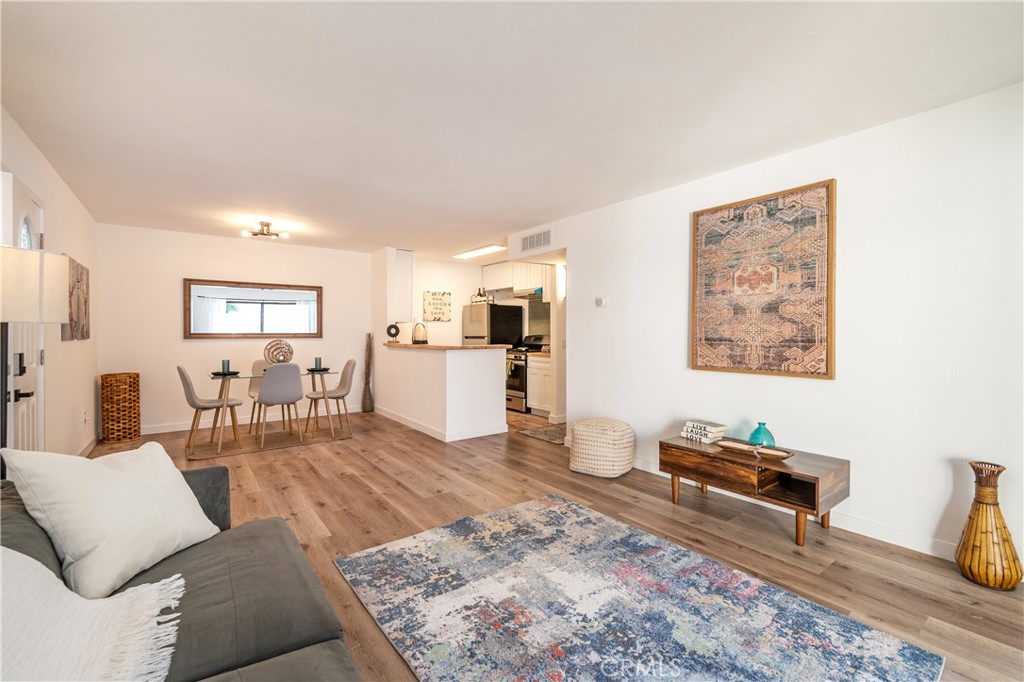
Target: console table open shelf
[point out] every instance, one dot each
(806, 483)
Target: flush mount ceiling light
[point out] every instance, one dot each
(264, 231)
(482, 251)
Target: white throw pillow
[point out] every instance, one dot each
(50, 633)
(109, 518)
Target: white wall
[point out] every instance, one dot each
(461, 279)
(139, 306)
(928, 318)
(71, 377)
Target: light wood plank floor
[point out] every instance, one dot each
(389, 482)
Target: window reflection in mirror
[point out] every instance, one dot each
(216, 309)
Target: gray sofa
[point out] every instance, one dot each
(253, 607)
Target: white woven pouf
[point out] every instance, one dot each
(601, 447)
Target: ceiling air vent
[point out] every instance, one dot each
(537, 241)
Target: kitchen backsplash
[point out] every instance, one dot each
(539, 318)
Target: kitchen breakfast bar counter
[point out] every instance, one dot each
(448, 392)
(432, 346)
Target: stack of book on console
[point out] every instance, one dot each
(703, 431)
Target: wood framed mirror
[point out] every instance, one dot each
(219, 309)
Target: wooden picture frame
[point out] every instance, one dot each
(79, 325)
(252, 292)
(763, 284)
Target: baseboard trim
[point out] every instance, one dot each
(446, 437)
(88, 448)
(411, 423)
(492, 430)
(943, 549)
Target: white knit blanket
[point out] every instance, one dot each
(51, 633)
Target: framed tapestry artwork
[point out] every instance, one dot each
(763, 282)
(77, 327)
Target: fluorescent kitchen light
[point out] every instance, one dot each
(482, 251)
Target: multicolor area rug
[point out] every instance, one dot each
(552, 434)
(550, 590)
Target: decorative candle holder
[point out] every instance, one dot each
(986, 554)
(316, 363)
(225, 366)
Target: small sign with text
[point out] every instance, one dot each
(437, 306)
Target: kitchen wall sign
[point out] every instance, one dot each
(763, 284)
(437, 306)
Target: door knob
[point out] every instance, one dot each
(19, 394)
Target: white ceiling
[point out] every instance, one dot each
(442, 127)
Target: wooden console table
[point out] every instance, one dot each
(806, 483)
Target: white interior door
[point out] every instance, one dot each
(25, 416)
(25, 379)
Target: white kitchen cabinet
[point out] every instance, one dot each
(527, 276)
(497, 276)
(540, 384)
(514, 275)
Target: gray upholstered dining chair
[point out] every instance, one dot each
(200, 405)
(337, 394)
(258, 367)
(282, 385)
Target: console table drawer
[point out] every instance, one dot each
(730, 476)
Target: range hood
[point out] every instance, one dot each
(529, 294)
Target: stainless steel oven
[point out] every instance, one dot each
(515, 380)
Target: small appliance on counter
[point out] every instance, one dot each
(419, 333)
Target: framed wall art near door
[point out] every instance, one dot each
(763, 284)
(78, 326)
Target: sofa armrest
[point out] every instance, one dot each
(211, 488)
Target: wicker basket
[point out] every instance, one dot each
(119, 406)
(601, 447)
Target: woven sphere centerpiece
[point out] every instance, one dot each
(278, 350)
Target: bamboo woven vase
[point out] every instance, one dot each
(986, 554)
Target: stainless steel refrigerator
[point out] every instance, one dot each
(487, 323)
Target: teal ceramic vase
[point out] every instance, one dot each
(762, 436)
